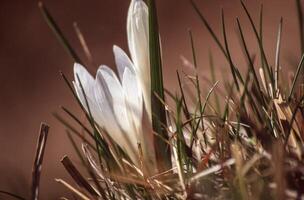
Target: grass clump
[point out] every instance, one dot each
(252, 148)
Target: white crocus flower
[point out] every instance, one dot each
(123, 106)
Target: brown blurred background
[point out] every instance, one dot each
(31, 58)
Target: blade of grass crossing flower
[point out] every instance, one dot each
(227, 50)
(158, 109)
(300, 21)
(277, 56)
(58, 33)
(98, 140)
(100, 143)
(102, 146)
(73, 92)
(299, 68)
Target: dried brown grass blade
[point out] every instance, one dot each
(41, 143)
(77, 177)
(74, 190)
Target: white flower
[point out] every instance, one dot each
(123, 106)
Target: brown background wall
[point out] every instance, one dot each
(31, 57)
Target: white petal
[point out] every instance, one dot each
(111, 100)
(133, 98)
(114, 95)
(87, 82)
(138, 40)
(86, 79)
(122, 61)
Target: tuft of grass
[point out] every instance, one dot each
(252, 149)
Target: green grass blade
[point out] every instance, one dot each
(77, 120)
(58, 33)
(293, 118)
(296, 77)
(227, 50)
(74, 144)
(185, 107)
(74, 130)
(197, 86)
(102, 146)
(261, 32)
(213, 79)
(226, 108)
(210, 30)
(193, 49)
(300, 21)
(248, 56)
(259, 43)
(180, 140)
(277, 56)
(215, 38)
(158, 109)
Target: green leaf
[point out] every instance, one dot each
(158, 109)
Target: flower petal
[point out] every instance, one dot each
(111, 100)
(87, 82)
(138, 40)
(122, 61)
(133, 98)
